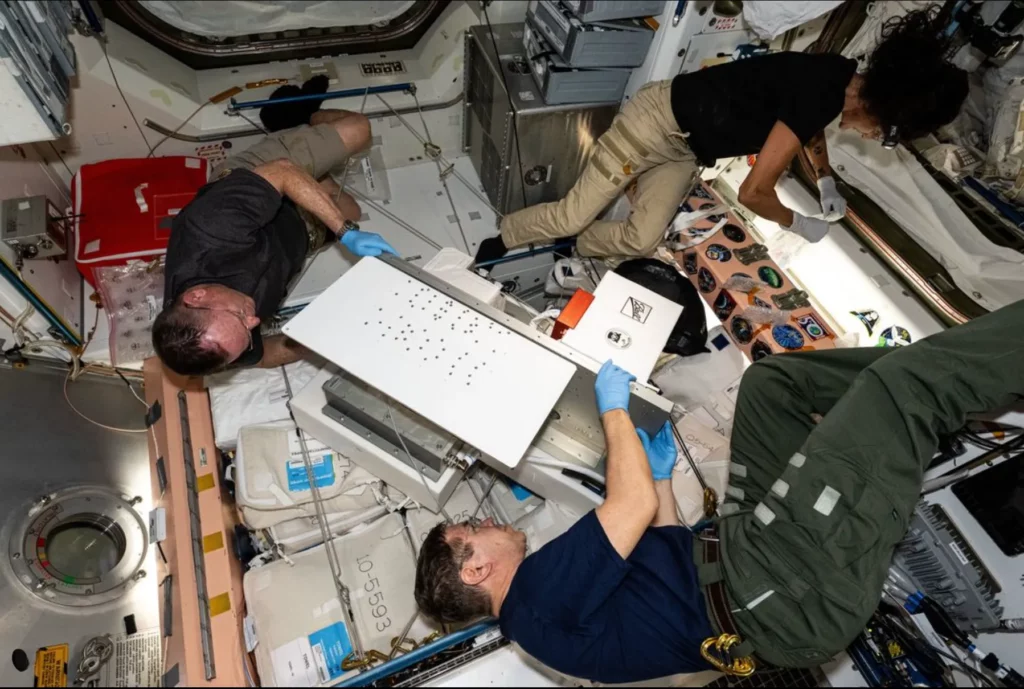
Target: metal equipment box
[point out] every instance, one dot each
(502, 105)
(560, 83)
(616, 43)
(601, 10)
(28, 225)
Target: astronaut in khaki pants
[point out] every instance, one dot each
(643, 144)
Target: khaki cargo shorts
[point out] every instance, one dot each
(317, 149)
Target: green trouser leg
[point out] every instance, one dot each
(808, 541)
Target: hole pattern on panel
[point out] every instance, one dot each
(430, 329)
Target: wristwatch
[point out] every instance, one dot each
(346, 226)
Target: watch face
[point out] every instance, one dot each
(770, 276)
(788, 337)
(717, 252)
(706, 281)
(734, 233)
(742, 330)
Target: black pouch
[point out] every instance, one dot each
(691, 331)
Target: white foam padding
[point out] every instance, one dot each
(271, 481)
(251, 396)
(436, 356)
(295, 607)
(693, 380)
(452, 266)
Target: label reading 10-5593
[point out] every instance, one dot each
(378, 608)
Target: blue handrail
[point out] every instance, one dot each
(43, 310)
(421, 653)
(347, 93)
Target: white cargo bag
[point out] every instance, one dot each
(271, 481)
(301, 630)
(296, 535)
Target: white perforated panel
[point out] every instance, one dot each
(470, 375)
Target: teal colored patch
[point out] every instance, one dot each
(323, 472)
(519, 492)
(770, 276)
(330, 646)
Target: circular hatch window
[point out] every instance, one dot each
(79, 547)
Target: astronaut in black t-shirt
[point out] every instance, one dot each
(775, 106)
(237, 245)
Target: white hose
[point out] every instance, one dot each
(555, 464)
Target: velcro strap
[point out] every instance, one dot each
(640, 149)
(596, 162)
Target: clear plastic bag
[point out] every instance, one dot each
(133, 295)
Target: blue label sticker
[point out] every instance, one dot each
(519, 492)
(330, 646)
(323, 472)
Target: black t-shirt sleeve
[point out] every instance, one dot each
(815, 88)
(234, 208)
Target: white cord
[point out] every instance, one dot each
(97, 423)
(416, 462)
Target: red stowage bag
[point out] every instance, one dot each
(123, 208)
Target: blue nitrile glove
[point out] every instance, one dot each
(661, 452)
(612, 388)
(365, 243)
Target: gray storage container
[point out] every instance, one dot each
(559, 83)
(554, 140)
(600, 10)
(618, 43)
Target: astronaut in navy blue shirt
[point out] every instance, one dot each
(615, 598)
